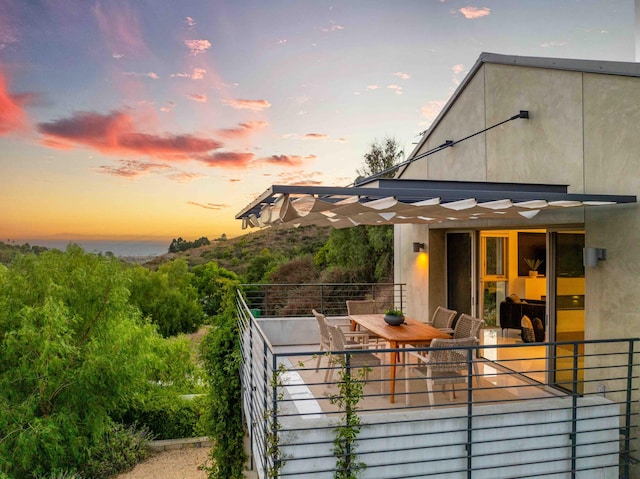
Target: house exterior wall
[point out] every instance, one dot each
(582, 132)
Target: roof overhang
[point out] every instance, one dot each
(397, 201)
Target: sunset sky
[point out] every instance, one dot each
(152, 119)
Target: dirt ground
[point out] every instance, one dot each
(175, 464)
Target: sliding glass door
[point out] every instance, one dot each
(566, 308)
(493, 275)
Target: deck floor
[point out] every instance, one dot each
(506, 374)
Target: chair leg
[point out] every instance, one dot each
(319, 358)
(432, 402)
(328, 375)
(476, 372)
(453, 391)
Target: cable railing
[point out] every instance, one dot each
(290, 300)
(565, 409)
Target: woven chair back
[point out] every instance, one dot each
(467, 327)
(443, 318)
(364, 306)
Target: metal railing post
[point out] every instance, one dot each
(274, 416)
(626, 430)
(469, 446)
(265, 382)
(574, 411)
(252, 388)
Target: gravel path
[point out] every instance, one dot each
(174, 464)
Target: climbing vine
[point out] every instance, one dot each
(350, 392)
(273, 436)
(220, 351)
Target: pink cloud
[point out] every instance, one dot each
(131, 169)
(209, 206)
(457, 70)
(373, 87)
(168, 107)
(396, 88)
(300, 177)
(403, 76)
(243, 129)
(474, 12)
(198, 97)
(183, 177)
(431, 109)
(315, 136)
(190, 22)
(255, 105)
(116, 134)
(227, 159)
(287, 160)
(8, 31)
(341, 140)
(12, 116)
(332, 28)
(197, 46)
(151, 75)
(196, 74)
(120, 27)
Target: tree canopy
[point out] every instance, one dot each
(382, 156)
(366, 251)
(73, 353)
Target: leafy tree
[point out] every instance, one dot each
(211, 282)
(381, 157)
(73, 352)
(261, 264)
(182, 245)
(167, 297)
(366, 251)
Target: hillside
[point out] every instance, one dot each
(235, 254)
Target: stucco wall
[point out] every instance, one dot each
(546, 148)
(582, 132)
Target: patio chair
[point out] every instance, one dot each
(442, 366)
(357, 360)
(326, 344)
(469, 327)
(363, 306)
(443, 319)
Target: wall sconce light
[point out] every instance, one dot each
(591, 256)
(417, 247)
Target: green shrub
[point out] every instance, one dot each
(169, 416)
(121, 449)
(73, 355)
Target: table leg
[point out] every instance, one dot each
(392, 379)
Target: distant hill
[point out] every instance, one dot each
(235, 253)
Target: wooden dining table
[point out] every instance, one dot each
(410, 332)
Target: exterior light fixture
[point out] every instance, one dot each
(417, 247)
(591, 256)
